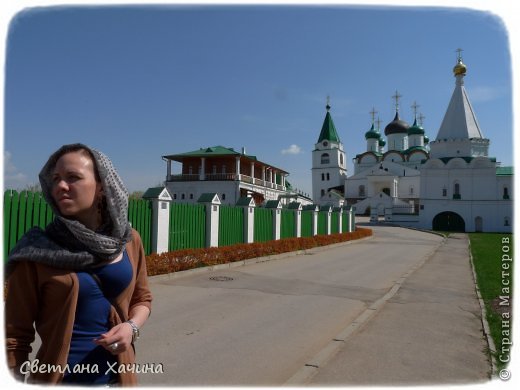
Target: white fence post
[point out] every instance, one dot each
(297, 208)
(160, 198)
(212, 203)
(276, 206)
(248, 204)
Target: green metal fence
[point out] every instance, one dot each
(231, 225)
(288, 226)
(27, 209)
(334, 223)
(263, 225)
(140, 216)
(22, 211)
(322, 222)
(187, 226)
(306, 221)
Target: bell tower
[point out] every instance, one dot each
(329, 164)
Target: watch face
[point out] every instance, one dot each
(325, 143)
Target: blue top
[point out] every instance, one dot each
(92, 319)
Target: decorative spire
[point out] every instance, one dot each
(328, 103)
(373, 114)
(421, 119)
(378, 123)
(459, 69)
(396, 97)
(414, 107)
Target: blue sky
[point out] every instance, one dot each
(139, 82)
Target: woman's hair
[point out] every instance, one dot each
(74, 148)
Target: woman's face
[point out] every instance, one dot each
(75, 189)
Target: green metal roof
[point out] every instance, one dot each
(216, 151)
(372, 133)
(153, 192)
(206, 197)
(504, 171)
(415, 129)
(211, 151)
(328, 130)
(414, 148)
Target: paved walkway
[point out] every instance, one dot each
(429, 332)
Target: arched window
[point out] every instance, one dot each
(456, 189)
(361, 191)
(328, 176)
(325, 158)
(341, 159)
(223, 196)
(322, 177)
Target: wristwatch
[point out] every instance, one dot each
(135, 330)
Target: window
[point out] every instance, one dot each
(223, 196)
(191, 196)
(174, 196)
(190, 170)
(506, 193)
(325, 158)
(328, 176)
(456, 191)
(214, 169)
(322, 177)
(411, 190)
(223, 169)
(322, 192)
(444, 192)
(361, 191)
(506, 221)
(183, 196)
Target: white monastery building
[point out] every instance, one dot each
(450, 183)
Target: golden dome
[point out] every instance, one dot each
(460, 68)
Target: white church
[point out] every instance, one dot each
(450, 183)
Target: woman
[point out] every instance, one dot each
(82, 282)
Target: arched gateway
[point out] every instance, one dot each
(449, 221)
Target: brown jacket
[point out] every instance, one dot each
(46, 297)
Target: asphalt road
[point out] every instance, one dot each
(260, 324)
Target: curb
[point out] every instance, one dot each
(310, 369)
(485, 325)
(254, 260)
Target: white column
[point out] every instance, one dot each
(263, 176)
(212, 220)
(237, 168)
(340, 220)
(202, 168)
(277, 222)
(329, 214)
(253, 170)
(315, 222)
(298, 222)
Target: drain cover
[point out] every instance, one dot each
(221, 278)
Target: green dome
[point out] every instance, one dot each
(372, 133)
(415, 129)
(382, 142)
(426, 139)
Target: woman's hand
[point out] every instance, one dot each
(116, 340)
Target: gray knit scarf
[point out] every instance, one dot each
(67, 243)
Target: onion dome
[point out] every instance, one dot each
(397, 126)
(372, 133)
(415, 129)
(460, 69)
(426, 139)
(382, 142)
